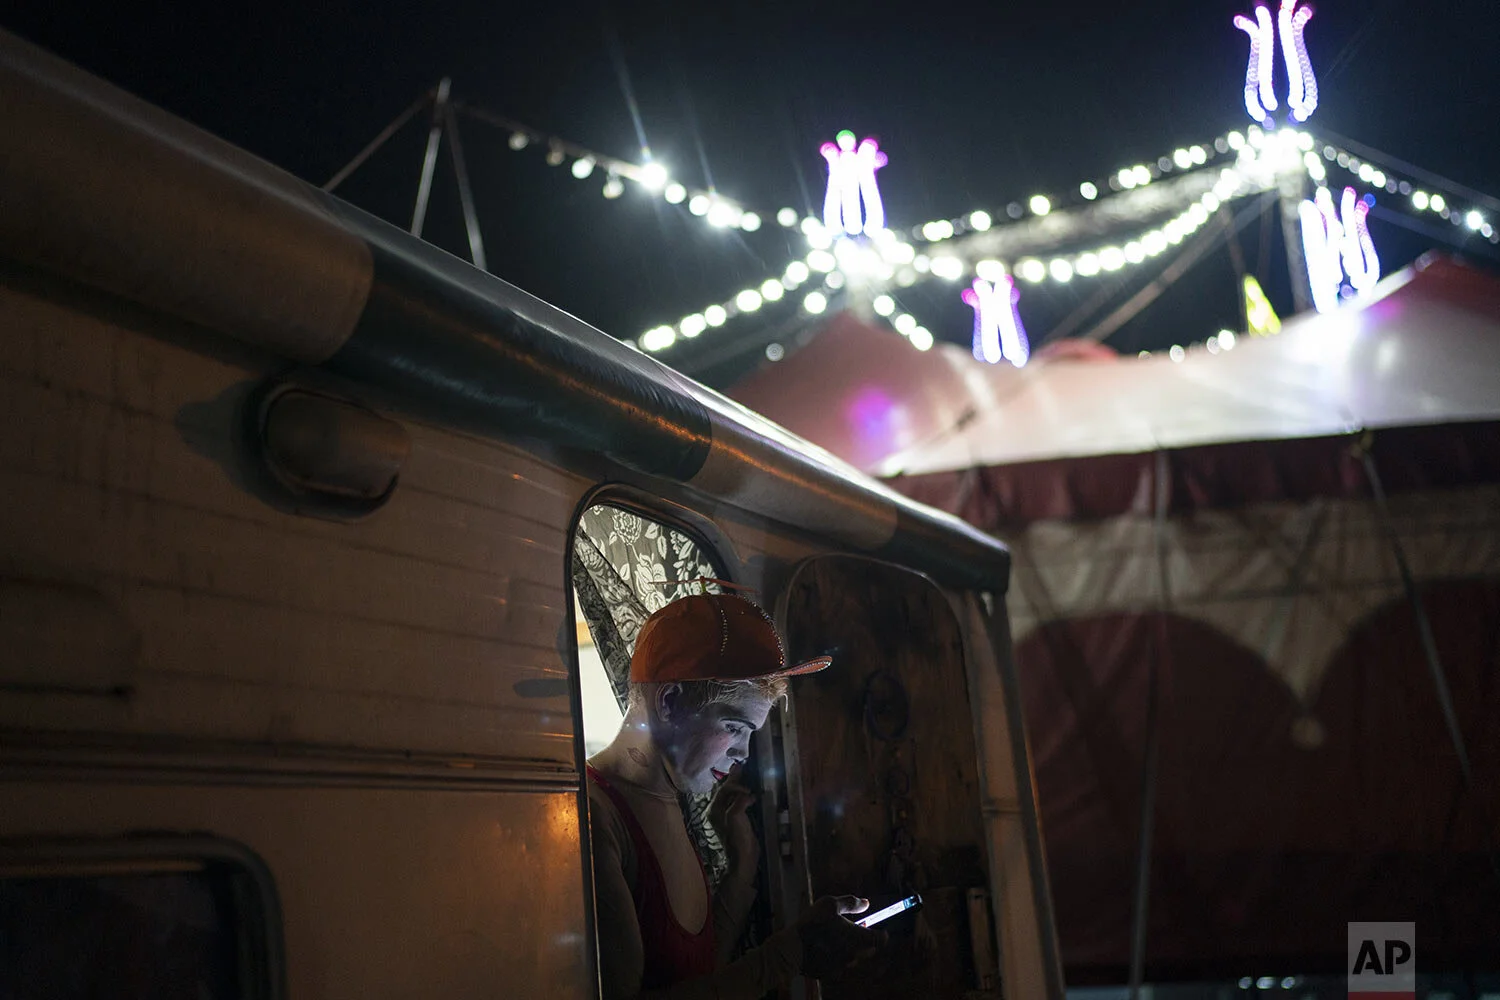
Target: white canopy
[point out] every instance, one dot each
(1424, 348)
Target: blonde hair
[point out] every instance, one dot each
(698, 695)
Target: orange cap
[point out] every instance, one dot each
(719, 637)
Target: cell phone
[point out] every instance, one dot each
(911, 902)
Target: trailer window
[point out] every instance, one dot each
(625, 566)
(111, 925)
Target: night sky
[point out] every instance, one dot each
(977, 105)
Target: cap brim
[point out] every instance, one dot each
(806, 667)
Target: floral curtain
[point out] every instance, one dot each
(625, 567)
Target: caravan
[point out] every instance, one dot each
(299, 518)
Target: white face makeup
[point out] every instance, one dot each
(700, 746)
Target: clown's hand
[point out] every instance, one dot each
(830, 941)
(727, 814)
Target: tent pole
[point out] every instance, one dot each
(1419, 611)
(377, 142)
(429, 162)
(1292, 188)
(1025, 778)
(1140, 919)
(465, 193)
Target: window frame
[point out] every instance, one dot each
(719, 552)
(256, 906)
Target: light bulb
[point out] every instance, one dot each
(652, 177)
(658, 339)
(990, 270)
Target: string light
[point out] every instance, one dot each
(658, 339)
(948, 268)
(990, 270)
(1128, 178)
(583, 167)
(722, 214)
(652, 176)
(613, 187)
(1422, 200)
(921, 339)
(888, 257)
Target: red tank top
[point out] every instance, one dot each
(672, 954)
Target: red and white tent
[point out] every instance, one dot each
(1208, 600)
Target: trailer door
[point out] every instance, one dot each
(884, 771)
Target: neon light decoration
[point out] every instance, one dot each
(851, 179)
(1260, 317)
(998, 332)
(1337, 244)
(1302, 87)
